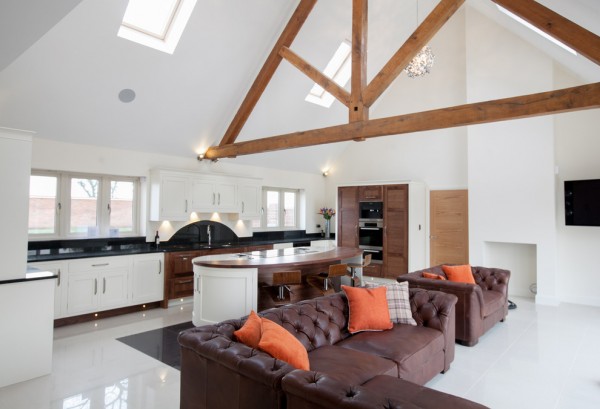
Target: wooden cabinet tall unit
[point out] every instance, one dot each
(404, 224)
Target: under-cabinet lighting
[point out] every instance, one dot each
(537, 30)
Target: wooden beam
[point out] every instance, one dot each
(545, 103)
(578, 38)
(317, 76)
(419, 39)
(358, 81)
(266, 73)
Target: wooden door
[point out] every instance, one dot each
(395, 236)
(449, 231)
(347, 216)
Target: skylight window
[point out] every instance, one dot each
(339, 69)
(156, 23)
(535, 29)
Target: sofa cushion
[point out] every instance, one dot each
(433, 276)
(398, 302)
(410, 347)
(492, 302)
(368, 309)
(251, 331)
(279, 343)
(459, 274)
(353, 366)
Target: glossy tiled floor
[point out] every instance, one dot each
(541, 357)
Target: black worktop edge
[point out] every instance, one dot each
(32, 274)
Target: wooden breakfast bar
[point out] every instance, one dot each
(228, 286)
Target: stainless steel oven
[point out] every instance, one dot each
(370, 238)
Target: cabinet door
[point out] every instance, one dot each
(82, 294)
(203, 196)
(370, 193)
(147, 279)
(114, 291)
(395, 239)
(250, 196)
(174, 203)
(226, 197)
(347, 216)
(60, 269)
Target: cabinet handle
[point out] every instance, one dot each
(100, 265)
(58, 279)
(198, 284)
(95, 286)
(213, 197)
(103, 285)
(242, 207)
(159, 267)
(186, 282)
(184, 258)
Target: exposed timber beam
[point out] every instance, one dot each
(578, 38)
(317, 76)
(266, 73)
(419, 39)
(357, 110)
(544, 103)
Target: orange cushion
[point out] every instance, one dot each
(433, 276)
(279, 343)
(251, 331)
(368, 309)
(459, 274)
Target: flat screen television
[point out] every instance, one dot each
(582, 202)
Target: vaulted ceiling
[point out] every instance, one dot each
(62, 67)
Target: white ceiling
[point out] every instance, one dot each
(62, 67)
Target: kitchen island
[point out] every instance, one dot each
(230, 285)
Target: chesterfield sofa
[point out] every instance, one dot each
(480, 306)
(219, 372)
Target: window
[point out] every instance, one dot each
(65, 205)
(280, 209)
(339, 69)
(158, 24)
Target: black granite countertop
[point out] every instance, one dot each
(73, 249)
(32, 274)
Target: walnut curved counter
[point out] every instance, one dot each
(228, 286)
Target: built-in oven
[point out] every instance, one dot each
(370, 211)
(370, 239)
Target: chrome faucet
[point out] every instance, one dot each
(208, 232)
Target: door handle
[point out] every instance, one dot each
(186, 206)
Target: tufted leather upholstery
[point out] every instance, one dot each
(313, 390)
(218, 372)
(479, 306)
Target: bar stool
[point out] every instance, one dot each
(353, 266)
(322, 281)
(283, 279)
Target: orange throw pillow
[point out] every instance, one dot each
(459, 274)
(281, 344)
(433, 276)
(368, 309)
(251, 331)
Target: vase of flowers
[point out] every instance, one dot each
(327, 213)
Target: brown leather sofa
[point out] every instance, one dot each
(480, 306)
(313, 390)
(219, 372)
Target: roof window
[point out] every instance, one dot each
(339, 69)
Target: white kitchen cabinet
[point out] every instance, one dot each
(213, 195)
(97, 284)
(60, 269)
(147, 277)
(169, 196)
(249, 201)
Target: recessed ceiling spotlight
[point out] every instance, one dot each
(126, 95)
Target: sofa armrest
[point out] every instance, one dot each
(492, 279)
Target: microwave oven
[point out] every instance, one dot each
(370, 211)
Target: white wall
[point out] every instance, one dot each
(511, 183)
(53, 155)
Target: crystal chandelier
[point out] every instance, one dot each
(421, 64)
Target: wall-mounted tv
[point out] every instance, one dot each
(582, 202)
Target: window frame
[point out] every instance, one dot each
(281, 219)
(63, 205)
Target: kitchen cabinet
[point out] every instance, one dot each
(60, 269)
(370, 193)
(147, 276)
(395, 230)
(347, 235)
(97, 284)
(210, 195)
(249, 201)
(169, 196)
